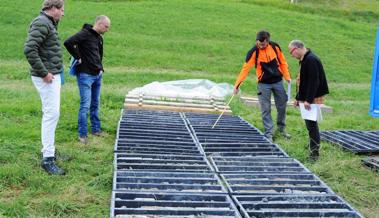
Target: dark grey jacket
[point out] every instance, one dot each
(42, 47)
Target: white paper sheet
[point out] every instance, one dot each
(289, 91)
(313, 114)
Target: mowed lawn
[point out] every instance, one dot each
(171, 40)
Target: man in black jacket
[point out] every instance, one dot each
(86, 46)
(311, 88)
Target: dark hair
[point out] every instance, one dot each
(263, 35)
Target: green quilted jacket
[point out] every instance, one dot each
(42, 47)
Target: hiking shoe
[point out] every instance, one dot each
(313, 158)
(61, 157)
(83, 139)
(98, 134)
(49, 166)
(284, 134)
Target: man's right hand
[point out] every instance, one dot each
(235, 91)
(48, 78)
(296, 103)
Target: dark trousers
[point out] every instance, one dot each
(280, 97)
(314, 137)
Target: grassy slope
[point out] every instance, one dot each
(353, 10)
(169, 40)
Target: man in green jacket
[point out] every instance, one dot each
(44, 54)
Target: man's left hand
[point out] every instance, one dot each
(307, 105)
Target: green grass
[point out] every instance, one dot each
(171, 40)
(347, 9)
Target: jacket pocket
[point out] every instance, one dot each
(270, 72)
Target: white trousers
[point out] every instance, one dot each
(50, 94)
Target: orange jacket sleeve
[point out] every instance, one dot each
(283, 66)
(245, 71)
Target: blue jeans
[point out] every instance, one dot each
(89, 89)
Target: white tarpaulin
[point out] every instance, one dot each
(190, 88)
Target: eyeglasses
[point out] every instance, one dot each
(292, 50)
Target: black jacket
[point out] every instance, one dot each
(87, 45)
(313, 82)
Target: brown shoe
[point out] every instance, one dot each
(284, 134)
(83, 139)
(98, 134)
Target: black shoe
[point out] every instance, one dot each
(49, 166)
(313, 158)
(314, 152)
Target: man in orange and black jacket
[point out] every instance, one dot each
(270, 67)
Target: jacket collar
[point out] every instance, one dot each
(90, 29)
(307, 53)
(50, 18)
(264, 49)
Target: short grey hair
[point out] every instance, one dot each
(101, 18)
(48, 4)
(296, 44)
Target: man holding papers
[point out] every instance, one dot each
(311, 88)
